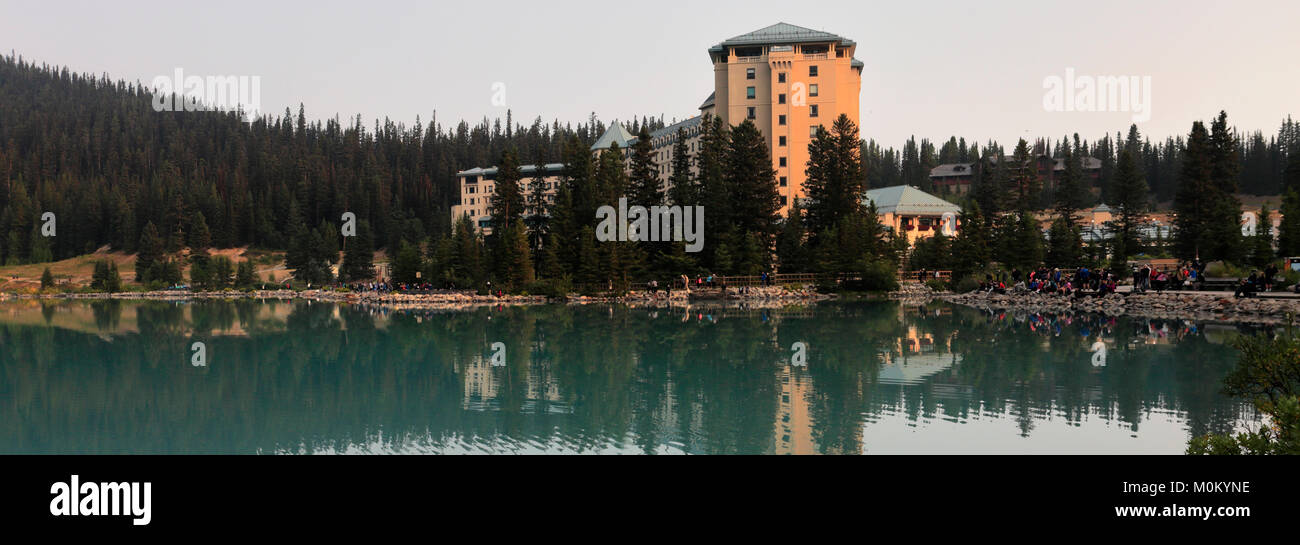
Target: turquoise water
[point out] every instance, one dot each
(860, 377)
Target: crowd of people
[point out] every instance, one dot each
(1101, 282)
(1079, 282)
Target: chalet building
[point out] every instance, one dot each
(912, 213)
(957, 178)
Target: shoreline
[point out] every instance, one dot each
(1173, 305)
(1219, 307)
(769, 297)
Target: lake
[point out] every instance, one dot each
(874, 377)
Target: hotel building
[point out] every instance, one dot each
(788, 80)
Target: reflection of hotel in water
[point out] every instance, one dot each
(916, 357)
(482, 385)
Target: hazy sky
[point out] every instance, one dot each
(933, 69)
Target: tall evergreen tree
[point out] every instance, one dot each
(508, 201)
(151, 250)
(682, 188)
(1130, 204)
(754, 200)
(1194, 201)
(835, 179)
(358, 255)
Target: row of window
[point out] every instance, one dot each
(752, 93)
(780, 76)
(752, 113)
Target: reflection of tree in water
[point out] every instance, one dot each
(108, 314)
(582, 378)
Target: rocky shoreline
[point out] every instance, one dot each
(1174, 305)
(764, 296)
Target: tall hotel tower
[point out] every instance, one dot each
(789, 81)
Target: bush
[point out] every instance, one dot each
(1268, 374)
(1220, 269)
(554, 288)
(1280, 436)
(877, 275)
(967, 284)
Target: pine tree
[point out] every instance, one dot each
(971, 249)
(682, 188)
(245, 276)
(643, 178)
(199, 239)
(1064, 244)
(1025, 186)
(1195, 197)
(754, 201)
(1130, 202)
(791, 250)
(47, 279)
(1224, 229)
(1261, 245)
(714, 194)
(1069, 194)
(406, 263)
(1288, 236)
(835, 177)
(358, 256)
(508, 201)
(151, 250)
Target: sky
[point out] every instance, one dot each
(933, 69)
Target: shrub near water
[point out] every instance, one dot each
(1268, 374)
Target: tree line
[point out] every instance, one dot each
(112, 170)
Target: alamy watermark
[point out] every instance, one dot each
(178, 92)
(637, 223)
(1107, 93)
(75, 498)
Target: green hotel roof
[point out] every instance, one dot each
(616, 133)
(908, 200)
(782, 33)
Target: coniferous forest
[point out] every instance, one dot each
(115, 172)
(95, 153)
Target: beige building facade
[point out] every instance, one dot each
(790, 81)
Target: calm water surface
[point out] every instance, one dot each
(869, 377)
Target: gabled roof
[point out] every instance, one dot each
(953, 169)
(614, 134)
(783, 33)
(908, 200)
(688, 123)
(708, 102)
(491, 172)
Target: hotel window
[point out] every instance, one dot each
(812, 131)
(812, 90)
(783, 200)
(780, 77)
(812, 71)
(780, 140)
(812, 112)
(752, 113)
(749, 92)
(780, 99)
(780, 119)
(783, 181)
(749, 73)
(783, 161)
